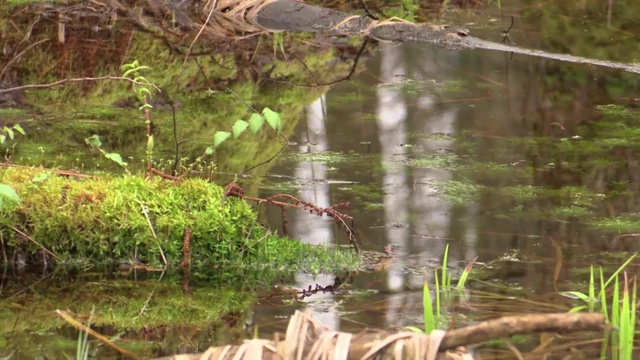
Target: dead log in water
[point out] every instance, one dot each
(291, 15)
(307, 339)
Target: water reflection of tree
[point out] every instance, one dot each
(53, 42)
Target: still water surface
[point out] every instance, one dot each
(434, 147)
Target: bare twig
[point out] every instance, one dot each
(35, 242)
(80, 326)
(347, 77)
(213, 7)
(146, 303)
(293, 202)
(146, 215)
(15, 58)
(73, 80)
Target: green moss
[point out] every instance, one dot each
(129, 217)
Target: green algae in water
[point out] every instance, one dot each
(458, 192)
(613, 110)
(444, 162)
(628, 223)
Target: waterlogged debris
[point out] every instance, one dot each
(436, 161)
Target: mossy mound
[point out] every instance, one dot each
(114, 218)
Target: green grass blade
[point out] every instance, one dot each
(615, 274)
(592, 292)
(465, 275)
(427, 303)
(445, 261)
(603, 298)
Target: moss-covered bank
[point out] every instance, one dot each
(128, 217)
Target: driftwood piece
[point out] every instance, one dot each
(308, 339)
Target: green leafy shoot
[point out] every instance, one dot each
(93, 141)
(9, 132)
(255, 124)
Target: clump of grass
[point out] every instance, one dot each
(432, 311)
(622, 314)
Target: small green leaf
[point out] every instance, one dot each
(116, 158)
(209, 151)
(255, 122)
(41, 177)
(273, 119)
(10, 132)
(3, 138)
(19, 129)
(414, 329)
(126, 73)
(239, 127)
(93, 140)
(220, 137)
(150, 143)
(9, 192)
(144, 92)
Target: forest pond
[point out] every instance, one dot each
(525, 167)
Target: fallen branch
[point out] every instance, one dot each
(290, 201)
(306, 337)
(295, 16)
